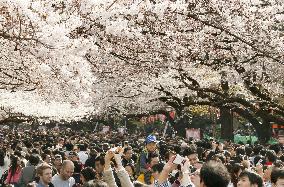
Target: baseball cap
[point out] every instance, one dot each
(151, 138)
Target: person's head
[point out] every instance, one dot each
(249, 179)
(87, 174)
(270, 156)
(67, 169)
(44, 172)
(46, 158)
(240, 151)
(154, 159)
(57, 160)
(128, 153)
(34, 159)
(277, 177)
(191, 154)
(99, 163)
(237, 168)
(214, 174)
(157, 169)
(61, 141)
(169, 154)
(73, 156)
(82, 147)
(151, 143)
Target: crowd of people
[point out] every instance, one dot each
(66, 158)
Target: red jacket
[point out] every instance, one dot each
(15, 178)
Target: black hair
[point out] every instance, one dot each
(214, 174)
(218, 157)
(150, 156)
(158, 167)
(189, 151)
(14, 164)
(271, 155)
(236, 167)
(275, 147)
(88, 173)
(278, 164)
(253, 178)
(82, 147)
(277, 174)
(34, 159)
(127, 149)
(257, 149)
(2, 156)
(240, 151)
(248, 150)
(257, 159)
(101, 159)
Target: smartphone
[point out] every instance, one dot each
(113, 149)
(178, 160)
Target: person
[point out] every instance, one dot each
(46, 158)
(14, 171)
(28, 173)
(154, 160)
(4, 162)
(121, 172)
(250, 179)
(99, 166)
(73, 156)
(143, 166)
(87, 174)
(214, 174)
(235, 173)
(281, 140)
(44, 172)
(150, 148)
(57, 163)
(90, 162)
(83, 156)
(270, 157)
(156, 171)
(130, 170)
(277, 177)
(127, 156)
(60, 143)
(191, 154)
(64, 179)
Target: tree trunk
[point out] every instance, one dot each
(180, 126)
(226, 119)
(264, 132)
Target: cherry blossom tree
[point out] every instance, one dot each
(137, 56)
